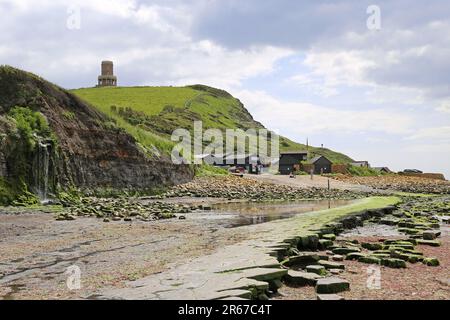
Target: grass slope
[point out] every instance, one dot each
(156, 111)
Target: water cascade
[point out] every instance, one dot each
(41, 166)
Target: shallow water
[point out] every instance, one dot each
(238, 214)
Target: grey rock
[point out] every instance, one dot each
(332, 285)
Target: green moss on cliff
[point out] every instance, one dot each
(24, 129)
(7, 193)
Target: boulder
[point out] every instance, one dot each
(433, 243)
(275, 284)
(345, 250)
(354, 256)
(308, 242)
(332, 285)
(372, 246)
(301, 260)
(336, 271)
(393, 263)
(430, 234)
(337, 257)
(331, 264)
(301, 278)
(329, 236)
(432, 262)
(380, 255)
(325, 244)
(370, 260)
(349, 222)
(317, 269)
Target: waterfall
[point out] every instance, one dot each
(41, 169)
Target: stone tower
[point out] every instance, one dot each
(107, 78)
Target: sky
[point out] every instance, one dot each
(370, 79)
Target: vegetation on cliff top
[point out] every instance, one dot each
(151, 114)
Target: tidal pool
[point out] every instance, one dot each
(231, 215)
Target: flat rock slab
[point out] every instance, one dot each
(430, 234)
(345, 250)
(301, 278)
(332, 285)
(337, 257)
(354, 256)
(331, 264)
(336, 271)
(248, 266)
(433, 243)
(244, 266)
(262, 274)
(331, 296)
(317, 269)
(301, 260)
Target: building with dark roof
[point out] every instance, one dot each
(382, 169)
(290, 161)
(321, 164)
(362, 164)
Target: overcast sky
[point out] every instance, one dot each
(305, 68)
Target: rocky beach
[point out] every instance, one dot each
(162, 233)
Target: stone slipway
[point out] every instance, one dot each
(243, 270)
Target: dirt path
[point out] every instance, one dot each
(306, 182)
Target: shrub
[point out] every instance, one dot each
(208, 170)
(69, 115)
(30, 123)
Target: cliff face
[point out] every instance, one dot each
(89, 150)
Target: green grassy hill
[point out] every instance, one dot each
(151, 114)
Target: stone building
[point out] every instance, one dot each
(107, 78)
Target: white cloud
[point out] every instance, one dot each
(202, 62)
(339, 67)
(444, 106)
(150, 44)
(306, 118)
(432, 134)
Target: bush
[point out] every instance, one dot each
(69, 115)
(208, 170)
(30, 123)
